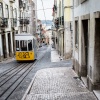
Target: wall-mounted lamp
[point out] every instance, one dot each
(71, 7)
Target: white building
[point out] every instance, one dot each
(86, 52)
(14, 19)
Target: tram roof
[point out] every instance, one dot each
(24, 36)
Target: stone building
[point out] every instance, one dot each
(62, 34)
(86, 51)
(68, 31)
(9, 11)
(14, 19)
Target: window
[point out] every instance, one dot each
(76, 34)
(15, 13)
(19, 14)
(6, 11)
(21, 45)
(15, 17)
(1, 10)
(30, 45)
(17, 45)
(11, 9)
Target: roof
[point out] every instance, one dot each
(24, 36)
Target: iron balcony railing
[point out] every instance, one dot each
(24, 21)
(4, 22)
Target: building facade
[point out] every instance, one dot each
(68, 28)
(63, 17)
(14, 19)
(86, 51)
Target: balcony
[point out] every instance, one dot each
(3, 22)
(12, 1)
(24, 21)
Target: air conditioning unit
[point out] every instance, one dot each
(1, 21)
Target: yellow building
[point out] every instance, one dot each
(63, 22)
(68, 21)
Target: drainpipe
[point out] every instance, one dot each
(73, 53)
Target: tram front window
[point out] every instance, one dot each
(17, 45)
(30, 45)
(23, 45)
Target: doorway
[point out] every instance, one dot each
(84, 51)
(97, 50)
(13, 39)
(9, 44)
(85, 48)
(4, 46)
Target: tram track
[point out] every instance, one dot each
(15, 71)
(12, 78)
(12, 81)
(5, 94)
(8, 70)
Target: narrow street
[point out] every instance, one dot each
(49, 50)
(15, 77)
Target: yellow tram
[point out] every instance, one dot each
(26, 47)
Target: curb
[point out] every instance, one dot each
(28, 89)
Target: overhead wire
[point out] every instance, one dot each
(29, 10)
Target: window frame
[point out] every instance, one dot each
(1, 4)
(7, 11)
(11, 9)
(76, 34)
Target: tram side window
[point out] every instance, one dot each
(23, 45)
(30, 45)
(17, 45)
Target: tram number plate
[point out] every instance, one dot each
(24, 55)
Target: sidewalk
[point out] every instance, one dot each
(7, 60)
(54, 55)
(57, 84)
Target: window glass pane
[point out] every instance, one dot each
(11, 9)
(1, 8)
(23, 45)
(17, 45)
(15, 13)
(6, 11)
(76, 34)
(30, 45)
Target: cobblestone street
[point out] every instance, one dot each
(53, 79)
(16, 91)
(57, 83)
